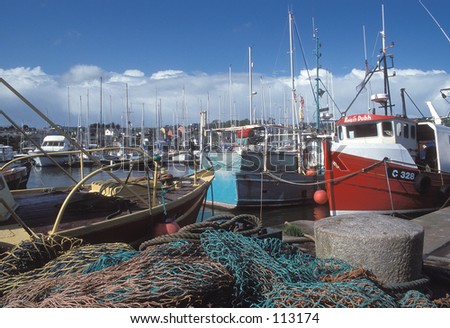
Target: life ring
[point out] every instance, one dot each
(422, 183)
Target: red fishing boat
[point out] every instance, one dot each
(388, 163)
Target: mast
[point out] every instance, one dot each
(142, 126)
(387, 104)
(291, 60)
(87, 118)
(68, 107)
(127, 119)
(101, 112)
(230, 100)
(316, 37)
(183, 117)
(366, 62)
(250, 83)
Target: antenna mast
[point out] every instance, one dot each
(387, 103)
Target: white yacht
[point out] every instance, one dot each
(54, 148)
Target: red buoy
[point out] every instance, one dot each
(320, 197)
(163, 228)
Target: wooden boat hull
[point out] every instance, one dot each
(100, 218)
(137, 227)
(17, 177)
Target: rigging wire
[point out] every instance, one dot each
(434, 19)
(414, 103)
(304, 58)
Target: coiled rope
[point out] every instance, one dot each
(243, 224)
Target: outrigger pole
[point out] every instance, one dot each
(75, 144)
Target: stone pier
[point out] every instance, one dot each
(389, 247)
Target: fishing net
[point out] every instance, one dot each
(31, 254)
(176, 274)
(84, 259)
(218, 263)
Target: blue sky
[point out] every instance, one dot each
(62, 47)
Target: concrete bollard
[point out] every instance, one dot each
(389, 247)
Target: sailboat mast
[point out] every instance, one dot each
(127, 119)
(142, 126)
(230, 97)
(291, 59)
(250, 82)
(101, 112)
(68, 108)
(183, 117)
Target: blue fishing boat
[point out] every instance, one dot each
(266, 165)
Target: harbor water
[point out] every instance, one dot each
(271, 216)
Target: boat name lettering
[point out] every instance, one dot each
(401, 174)
(357, 118)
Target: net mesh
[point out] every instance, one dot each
(215, 267)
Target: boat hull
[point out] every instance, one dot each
(137, 227)
(359, 184)
(43, 161)
(276, 189)
(17, 177)
(107, 213)
(240, 181)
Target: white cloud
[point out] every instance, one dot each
(82, 74)
(134, 73)
(167, 74)
(65, 98)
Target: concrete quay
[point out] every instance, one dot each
(436, 243)
(436, 246)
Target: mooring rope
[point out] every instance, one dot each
(339, 179)
(243, 224)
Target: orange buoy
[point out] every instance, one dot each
(320, 197)
(311, 172)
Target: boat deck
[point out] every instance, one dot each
(40, 211)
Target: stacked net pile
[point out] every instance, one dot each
(270, 273)
(175, 274)
(80, 259)
(213, 264)
(34, 253)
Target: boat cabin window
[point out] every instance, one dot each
(53, 143)
(387, 129)
(340, 133)
(405, 130)
(362, 131)
(398, 129)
